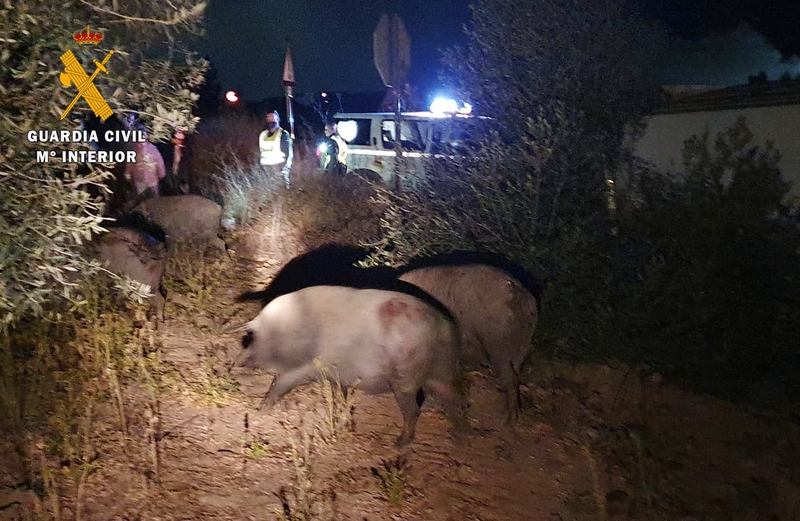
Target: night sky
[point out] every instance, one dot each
(331, 41)
(715, 41)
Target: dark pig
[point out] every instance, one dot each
(327, 265)
(497, 305)
(383, 341)
(185, 218)
(136, 248)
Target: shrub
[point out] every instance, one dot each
(49, 209)
(536, 187)
(323, 209)
(718, 297)
(228, 139)
(687, 275)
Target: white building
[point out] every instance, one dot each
(772, 112)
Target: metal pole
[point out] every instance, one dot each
(398, 136)
(289, 111)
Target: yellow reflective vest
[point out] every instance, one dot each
(341, 144)
(270, 147)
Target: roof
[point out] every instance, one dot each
(708, 98)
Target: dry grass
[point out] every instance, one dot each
(56, 378)
(325, 209)
(195, 271)
(339, 403)
(245, 189)
(224, 166)
(216, 385)
(597, 490)
(227, 139)
(194, 277)
(302, 500)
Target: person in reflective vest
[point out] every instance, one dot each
(276, 148)
(334, 156)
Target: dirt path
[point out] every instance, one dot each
(593, 443)
(208, 469)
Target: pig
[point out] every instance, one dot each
(497, 304)
(136, 248)
(185, 217)
(383, 341)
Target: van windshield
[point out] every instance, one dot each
(435, 136)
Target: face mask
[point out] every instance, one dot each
(272, 124)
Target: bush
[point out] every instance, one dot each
(540, 217)
(225, 165)
(49, 210)
(242, 189)
(689, 276)
(228, 139)
(717, 301)
(695, 277)
(536, 188)
(324, 209)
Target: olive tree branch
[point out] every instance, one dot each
(128, 18)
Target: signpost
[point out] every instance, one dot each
(288, 85)
(392, 49)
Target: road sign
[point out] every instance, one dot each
(392, 49)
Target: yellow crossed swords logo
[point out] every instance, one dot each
(74, 74)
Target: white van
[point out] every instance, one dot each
(424, 136)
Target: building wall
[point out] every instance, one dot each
(662, 142)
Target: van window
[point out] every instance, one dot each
(413, 134)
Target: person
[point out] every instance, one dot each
(177, 142)
(334, 158)
(276, 148)
(148, 170)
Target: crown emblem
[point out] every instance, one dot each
(88, 37)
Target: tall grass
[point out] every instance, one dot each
(55, 377)
(244, 189)
(325, 209)
(221, 139)
(224, 166)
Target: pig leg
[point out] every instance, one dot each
(452, 403)
(219, 244)
(160, 301)
(285, 382)
(509, 383)
(409, 406)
